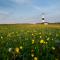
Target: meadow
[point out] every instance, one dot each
(29, 42)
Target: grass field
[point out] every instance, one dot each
(29, 42)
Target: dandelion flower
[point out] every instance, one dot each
(21, 47)
(32, 41)
(52, 39)
(56, 35)
(9, 49)
(40, 36)
(48, 39)
(17, 50)
(12, 32)
(42, 41)
(40, 33)
(32, 54)
(45, 42)
(53, 48)
(32, 34)
(35, 58)
(1, 37)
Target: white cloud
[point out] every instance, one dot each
(36, 7)
(21, 1)
(4, 15)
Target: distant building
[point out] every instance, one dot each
(43, 20)
(46, 23)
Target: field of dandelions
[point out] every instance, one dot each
(29, 42)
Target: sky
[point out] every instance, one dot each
(29, 11)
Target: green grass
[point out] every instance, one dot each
(16, 42)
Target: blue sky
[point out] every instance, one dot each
(29, 11)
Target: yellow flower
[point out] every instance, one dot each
(42, 41)
(12, 32)
(35, 58)
(17, 50)
(40, 33)
(48, 39)
(45, 42)
(1, 37)
(32, 54)
(57, 35)
(53, 48)
(52, 39)
(40, 36)
(32, 34)
(9, 49)
(21, 47)
(32, 41)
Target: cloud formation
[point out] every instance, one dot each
(21, 1)
(3, 15)
(22, 11)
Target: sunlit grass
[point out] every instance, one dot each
(29, 42)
